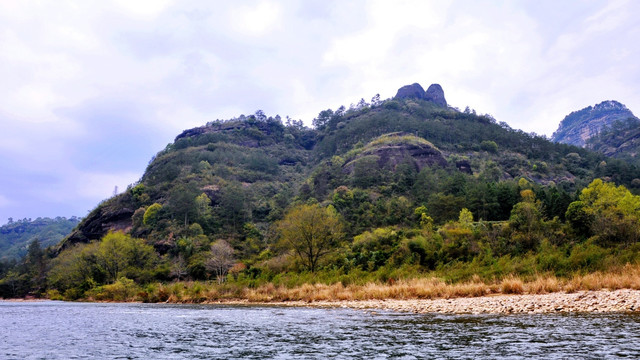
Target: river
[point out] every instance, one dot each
(62, 330)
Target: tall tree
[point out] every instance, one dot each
(311, 231)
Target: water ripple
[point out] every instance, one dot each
(59, 330)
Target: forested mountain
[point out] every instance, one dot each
(580, 126)
(621, 139)
(15, 236)
(403, 183)
(231, 179)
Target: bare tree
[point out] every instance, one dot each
(221, 260)
(179, 268)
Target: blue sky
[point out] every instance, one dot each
(91, 90)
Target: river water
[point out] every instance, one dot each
(61, 330)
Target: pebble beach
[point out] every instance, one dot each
(601, 301)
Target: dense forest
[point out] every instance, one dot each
(377, 192)
(16, 235)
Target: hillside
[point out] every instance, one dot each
(580, 126)
(251, 168)
(16, 235)
(400, 186)
(621, 140)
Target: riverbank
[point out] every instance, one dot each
(600, 301)
(617, 290)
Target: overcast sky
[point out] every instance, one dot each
(91, 90)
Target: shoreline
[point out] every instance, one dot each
(585, 301)
(588, 301)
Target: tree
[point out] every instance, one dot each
(466, 218)
(179, 267)
(151, 214)
(221, 259)
(489, 146)
(120, 254)
(311, 231)
(323, 118)
(36, 265)
(612, 213)
(181, 202)
(375, 100)
(526, 219)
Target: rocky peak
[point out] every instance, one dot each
(413, 91)
(434, 93)
(579, 126)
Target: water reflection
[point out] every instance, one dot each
(57, 330)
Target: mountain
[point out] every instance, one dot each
(234, 179)
(580, 126)
(16, 235)
(379, 191)
(620, 140)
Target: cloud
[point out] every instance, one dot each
(92, 90)
(4, 201)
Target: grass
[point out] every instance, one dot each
(625, 277)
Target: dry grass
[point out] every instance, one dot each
(626, 277)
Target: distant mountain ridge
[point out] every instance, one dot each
(15, 236)
(580, 126)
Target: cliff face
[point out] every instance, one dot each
(580, 126)
(390, 150)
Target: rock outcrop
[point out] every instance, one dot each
(579, 126)
(97, 224)
(393, 149)
(434, 93)
(413, 91)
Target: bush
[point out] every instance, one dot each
(122, 290)
(489, 146)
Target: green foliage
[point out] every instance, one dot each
(284, 197)
(612, 213)
(120, 254)
(16, 235)
(311, 232)
(151, 214)
(489, 145)
(466, 218)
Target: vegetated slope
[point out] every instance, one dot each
(391, 189)
(232, 179)
(212, 180)
(579, 126)
(621, 139)
(16, 235)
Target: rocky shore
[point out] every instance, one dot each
(583, 301)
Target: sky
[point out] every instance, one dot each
(91, 90)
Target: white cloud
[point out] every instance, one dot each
(95, 88)
(4, 201)
(102, 185)
(256, 19)
(143, 9)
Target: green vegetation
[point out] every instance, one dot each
(15, 236)
(382, 192)
(620, 140)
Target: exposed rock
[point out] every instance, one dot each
(464, 166)
(389, 156)
(435, 94)
(579, 126)
(98, 224)
(413, 91)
